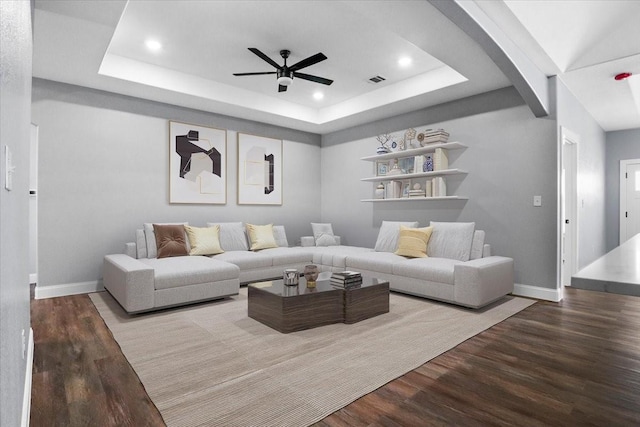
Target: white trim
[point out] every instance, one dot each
(569, 138)
(624, 164)
(65, 289)
(26, 398)
(537, 292)
(33, 278)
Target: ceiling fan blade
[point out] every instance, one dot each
(318, 57)
(254, 74)
(282, 88)
(264, 57)
(313, 78)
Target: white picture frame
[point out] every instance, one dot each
(259, 170)
(197, 164)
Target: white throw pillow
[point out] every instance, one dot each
(323, 234)
(389, 233)
(232, 236)
(280, 236)
(451, 240)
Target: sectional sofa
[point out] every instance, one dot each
(459, 268)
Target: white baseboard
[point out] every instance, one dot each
(26, 398)
(33, 278)
(65, 289)
(537, 292)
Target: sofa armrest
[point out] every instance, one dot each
(130, 250)
(482, 281)
(307, 241)
(130, 281)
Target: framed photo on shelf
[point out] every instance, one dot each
(382, 168)
(406, 186)
(259, 170)
(197, 164)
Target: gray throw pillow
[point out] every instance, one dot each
(233, 236)
(388, 235)
(323, 234)
(451, 240)
(281, 236)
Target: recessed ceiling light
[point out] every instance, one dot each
(153, 45)
(405, 61)
(318, 96)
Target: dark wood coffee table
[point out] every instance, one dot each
(290, 308)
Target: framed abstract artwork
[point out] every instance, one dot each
(197, 164)
(259, 170)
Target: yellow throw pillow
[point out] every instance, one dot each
(413, 241)
(204, 240)
(261, 237)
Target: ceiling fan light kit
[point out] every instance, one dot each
(284, 73)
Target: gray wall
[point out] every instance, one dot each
(103, 161)
(591, 173)
(621, 145)
(15, 105)
(511, 157)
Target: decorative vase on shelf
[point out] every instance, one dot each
(428, 164)
(379, 193)
(311, 275)
(382, 150)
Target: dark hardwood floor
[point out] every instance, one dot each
(576, 363)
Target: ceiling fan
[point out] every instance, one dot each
(286, 73)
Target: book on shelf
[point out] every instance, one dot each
(416, 193)
(439, 187)
(440, 159)
(428, 188)
(393, 190)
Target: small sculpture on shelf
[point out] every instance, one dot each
(384, 143)
(409, 135)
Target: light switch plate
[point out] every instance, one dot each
(537, 201)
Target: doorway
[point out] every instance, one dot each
(569, 206)
(629, 199)
(33, 205)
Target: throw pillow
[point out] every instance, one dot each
(451, 240)
(323, 234)
(261, 236)
(388, 235)
(232, 236)
(170, 240)
(204, 240)
(150, 237)
(281, 236)
(413, 241)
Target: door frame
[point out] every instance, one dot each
(623, 198)
(569, 163)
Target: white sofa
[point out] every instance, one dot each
(141, 282)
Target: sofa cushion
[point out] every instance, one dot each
(388, 235)
(189, 270)
(245, 259)
(334, 256)
(171, 240)
(141, 244)
(381, 262)
(261, 237)
(413, 241)
(451, 240)
(280, 235)
(431, 269)
(477, 245)
(286, 256)
(204, 240)
(323, 234)
(150, 237)
(232, 236)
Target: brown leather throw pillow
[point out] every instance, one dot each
(170, 240)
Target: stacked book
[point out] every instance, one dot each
(431, 136)
(440, 159)
(346, 279)
(417, 193)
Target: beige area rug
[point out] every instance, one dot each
(209, 364)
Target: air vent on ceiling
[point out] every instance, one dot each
(377, 79)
